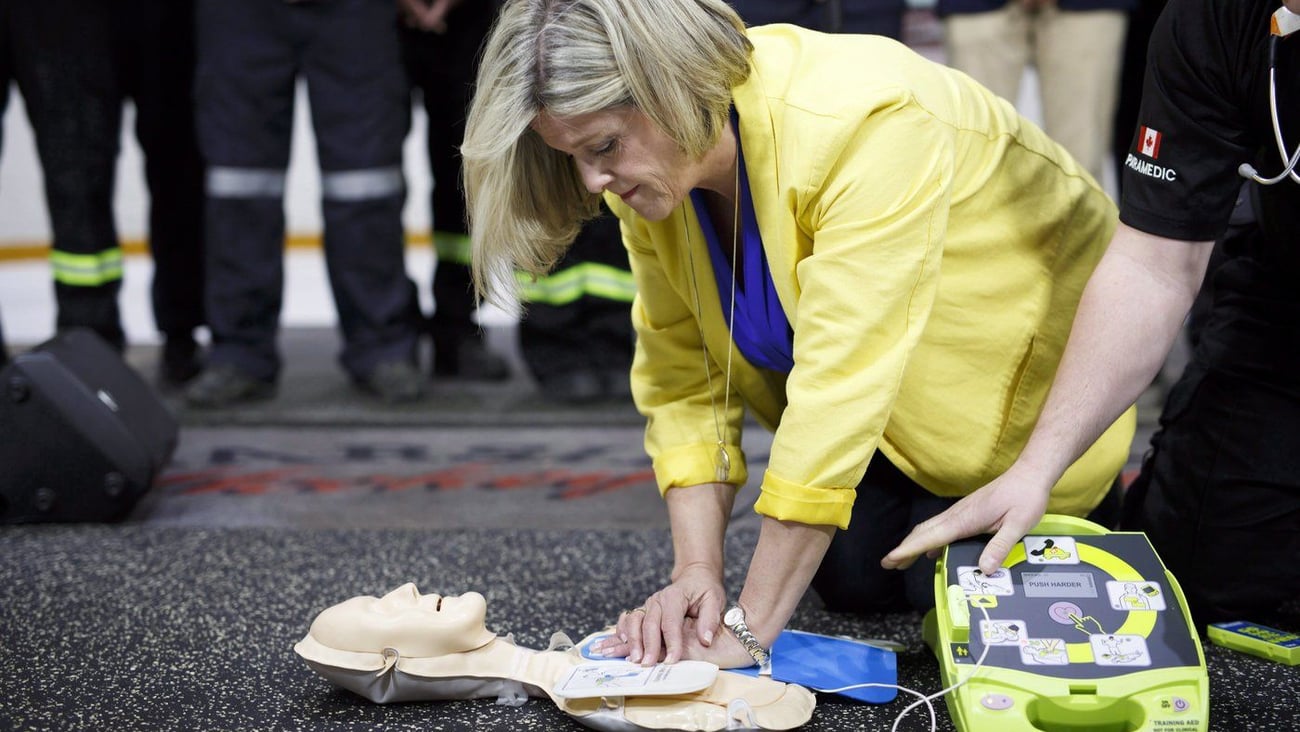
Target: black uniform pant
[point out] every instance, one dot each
(441, 67)
(250, 55)
(60, 53)
(1219, 492)
(75, 62)
(589, 327)
(155, 42)
(878, 17)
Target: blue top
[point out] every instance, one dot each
(761, 330)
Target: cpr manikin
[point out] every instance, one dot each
(405, 647)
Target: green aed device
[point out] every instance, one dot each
(1085, 630)
(1257, 640)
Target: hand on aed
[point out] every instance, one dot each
(685, 614)
(427, 15)
(1008, 507)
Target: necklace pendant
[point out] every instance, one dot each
(724, 463)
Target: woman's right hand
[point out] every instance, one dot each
(659, 629)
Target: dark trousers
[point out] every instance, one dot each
(878, 17)
(250, 55)
(441, 69)
(1141, 20)
(888, 505)
(155, 42)
(1219, 494)
(1219, 491)
(592, 331)
(60, 53)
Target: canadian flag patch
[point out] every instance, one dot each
(1150, 142)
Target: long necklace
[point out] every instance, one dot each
(724, 460)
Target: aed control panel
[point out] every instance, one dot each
(1084, 629)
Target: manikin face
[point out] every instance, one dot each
(622, 151)
(412, 624)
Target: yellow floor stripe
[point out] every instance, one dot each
(20, 251)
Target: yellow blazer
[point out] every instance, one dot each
(929, 247)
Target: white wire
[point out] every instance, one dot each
(923, 698)
(928, 701)
(1287, 161)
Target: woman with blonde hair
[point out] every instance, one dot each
(866, 251)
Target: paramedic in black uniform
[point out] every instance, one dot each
(1219, 491)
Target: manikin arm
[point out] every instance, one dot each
(1131, 311)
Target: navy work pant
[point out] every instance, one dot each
(250, 55)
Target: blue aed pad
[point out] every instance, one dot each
(1257, 640)
(822, 662)
(816, 662)
(1081, 628)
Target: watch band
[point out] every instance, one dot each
(734, 619)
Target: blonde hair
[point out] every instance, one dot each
(674, 60)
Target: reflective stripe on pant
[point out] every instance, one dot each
(586, 279)
(251, 54)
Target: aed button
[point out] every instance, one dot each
(996, 702)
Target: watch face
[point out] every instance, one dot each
(733, 616)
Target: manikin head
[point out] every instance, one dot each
(412, 624)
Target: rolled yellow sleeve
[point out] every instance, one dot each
(696, 464)
(788, 501)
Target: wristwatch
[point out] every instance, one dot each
(734, 619)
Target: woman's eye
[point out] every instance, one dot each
(607, 148)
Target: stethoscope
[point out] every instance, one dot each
(1284, 24)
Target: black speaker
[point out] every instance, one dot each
(82, 436)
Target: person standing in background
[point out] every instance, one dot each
(75, 62)
(1075, 46)
(250, 56)
(878, 17)
(61, 54)
(440, 41)
(576, 337)
(1133, 66)
(155, 58)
